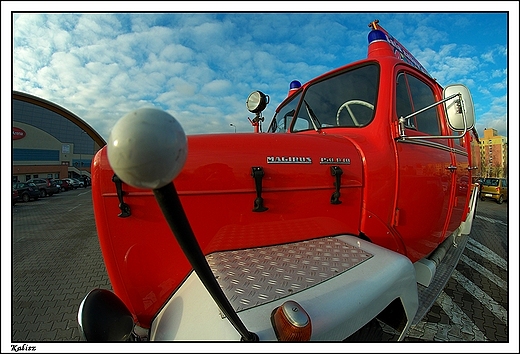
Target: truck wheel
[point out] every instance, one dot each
(371, 332)
(500, 200)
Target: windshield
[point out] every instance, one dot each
(492, 182)
(283, 118)
(344, 100)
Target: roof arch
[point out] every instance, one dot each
(25, 97)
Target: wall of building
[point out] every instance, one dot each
(493, 154)
(48, 141)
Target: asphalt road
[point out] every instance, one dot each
(56, 261)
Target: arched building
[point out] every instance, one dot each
(49, 141)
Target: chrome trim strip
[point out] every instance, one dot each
(434, 145)
(460, 152)
(426, 143)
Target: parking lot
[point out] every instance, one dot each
(56, 261)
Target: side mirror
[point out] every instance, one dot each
(103, 317)
(459, 110)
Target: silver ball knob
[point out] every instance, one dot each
(147, 148)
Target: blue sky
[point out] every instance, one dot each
(200, 67)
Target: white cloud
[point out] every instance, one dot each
(216, 87)
(174, 52)
(202, 66)
(488, 57)
(498, 73)
(493, 114)
(499, 85)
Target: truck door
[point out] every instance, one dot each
(424, 173)
(462, 179)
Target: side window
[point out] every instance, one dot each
(461, 142)
(403, 103)
(283, 118)
(412, 95)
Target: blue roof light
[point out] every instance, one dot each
(295, 84)
(376, 35)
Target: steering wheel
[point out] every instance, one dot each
(346, 105)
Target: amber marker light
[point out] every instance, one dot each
(291, 323)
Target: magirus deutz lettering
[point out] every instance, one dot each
(334, 161)
(289, 159)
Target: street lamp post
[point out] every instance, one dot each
(232, 125)
(80, 165)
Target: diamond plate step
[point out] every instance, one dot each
(255, 276)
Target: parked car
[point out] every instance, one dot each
(494, 188)
(86, 181)
(63, 184)
(16, 196)
(26, 191)
(73, 182)
(47, 186)
(80, 182)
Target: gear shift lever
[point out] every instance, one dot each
(147, 148)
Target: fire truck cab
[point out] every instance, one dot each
(351, 211)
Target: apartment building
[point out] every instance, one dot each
(493, 154)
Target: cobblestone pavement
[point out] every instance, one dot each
(56, 261)
(473, 307)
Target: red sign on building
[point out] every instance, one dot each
(18, 133)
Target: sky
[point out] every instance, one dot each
(201, 67)
(100, 63)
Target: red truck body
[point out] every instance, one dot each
(405, 195)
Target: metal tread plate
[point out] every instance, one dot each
(255, 276)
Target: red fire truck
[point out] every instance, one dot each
(348, 214)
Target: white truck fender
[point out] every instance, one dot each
(338, 305)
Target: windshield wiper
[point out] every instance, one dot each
(313, 117)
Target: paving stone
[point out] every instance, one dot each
(59, 325)
(442, 333)
(45, 326)
(49, 335)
